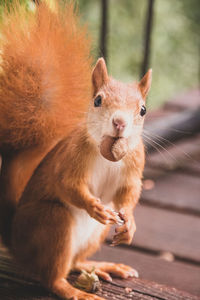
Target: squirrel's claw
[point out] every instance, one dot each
(104, 214)
(124, 234)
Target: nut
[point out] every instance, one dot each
(113, 148)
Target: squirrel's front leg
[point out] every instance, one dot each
(102, 213)
(124, 234)
(80, 196)
(125, 200)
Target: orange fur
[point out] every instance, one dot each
(45, 75)
(17, 168)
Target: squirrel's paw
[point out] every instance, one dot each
(104, 214)
(118, 270)
(124, 234)
(105, 270)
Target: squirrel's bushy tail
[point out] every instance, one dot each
(45, 86)
(45, 70)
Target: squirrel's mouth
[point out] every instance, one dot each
(113, 148)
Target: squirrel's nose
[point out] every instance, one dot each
(119, 124)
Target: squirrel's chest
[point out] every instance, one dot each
(105, 178)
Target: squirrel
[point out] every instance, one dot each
(72, 152)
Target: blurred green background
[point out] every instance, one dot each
(174, 48)
(175, 45)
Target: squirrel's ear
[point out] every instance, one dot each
(99, 75)
(145, 83)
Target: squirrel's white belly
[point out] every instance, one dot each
(105, 179)
(84, 229)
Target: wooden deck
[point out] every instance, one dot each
(15, 286)
(166, 246)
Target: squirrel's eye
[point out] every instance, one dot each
(97, 101)
(143, 111)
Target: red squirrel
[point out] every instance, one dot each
(72, 177)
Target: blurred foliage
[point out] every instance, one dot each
(6, 4)
(175, 42)
(175, 49)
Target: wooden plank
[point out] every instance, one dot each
(175, 190)
(176, 104)
(153, 173)
(174, 156)
(187, 100)
(177, 274)
(175, 126)
(155, 115)
(140, 289)
(13, 291)
(162, 230)
(192, 168)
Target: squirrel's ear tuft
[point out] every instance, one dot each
(99, 75)
(145, 83)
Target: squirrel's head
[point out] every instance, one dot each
(117, 109)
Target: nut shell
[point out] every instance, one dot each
(113, 148)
